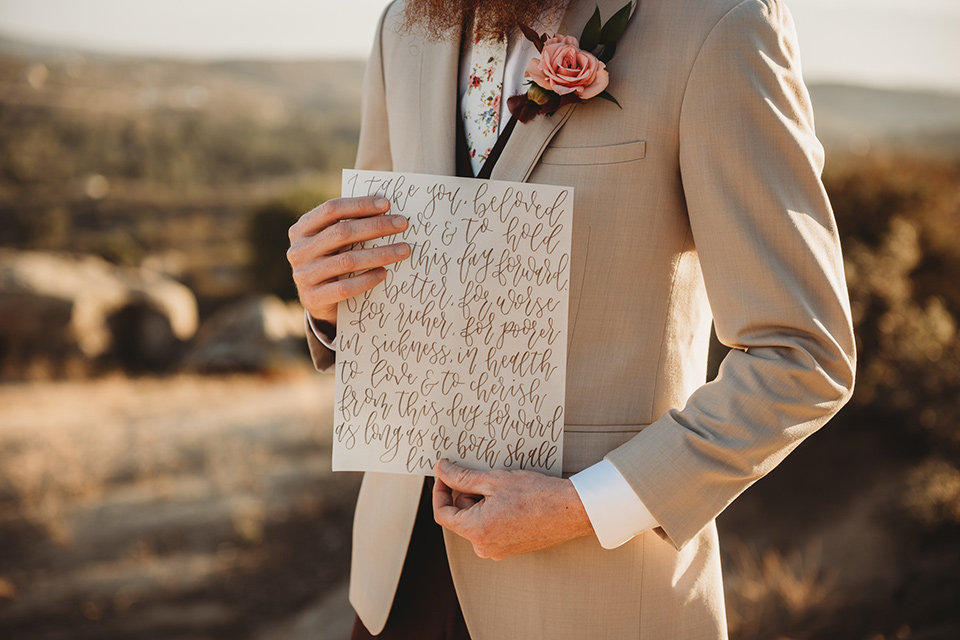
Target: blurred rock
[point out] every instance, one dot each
(160, 317)
(73, 312)
(255, 334)
(330, 617)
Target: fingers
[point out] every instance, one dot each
(350, 232)
(444, 509)
(446, 506)
(462, 479)
(340, 235)
(348, 262)
(467, 500)
(323, 283)
(340, 223)
(320, 300)
(324, 272)
(332, 211)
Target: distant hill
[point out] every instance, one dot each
(849, 118)
(41, 75)
(154, 125)
(856, 119)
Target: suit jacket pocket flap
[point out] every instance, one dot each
(585, 446)
(605, 154)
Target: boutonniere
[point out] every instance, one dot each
(569, 70)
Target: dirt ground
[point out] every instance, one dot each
(196, 507)
(186, 507)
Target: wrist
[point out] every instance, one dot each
(575, 511)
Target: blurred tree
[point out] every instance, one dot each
(899, 219)
(118, 247)
(267, 235)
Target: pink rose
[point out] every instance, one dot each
(564, 68)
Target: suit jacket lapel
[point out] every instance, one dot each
(439, 95)
(530, 140)
(527, 144)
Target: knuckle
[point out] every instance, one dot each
(306, 294)
(340, 232)
(346, 261)
(328, 208)
(308, 301)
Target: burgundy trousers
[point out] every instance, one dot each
(426, 605)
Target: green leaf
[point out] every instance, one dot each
(616, 25)
(607, 53)
(608, 97)
(590, 37)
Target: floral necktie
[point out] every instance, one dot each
(481, 103)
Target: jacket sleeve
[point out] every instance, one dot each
(373, 152)
(768, 246)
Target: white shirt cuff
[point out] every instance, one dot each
(324, 339)
(615, 510)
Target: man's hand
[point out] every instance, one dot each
(320, 256)
(507, 513)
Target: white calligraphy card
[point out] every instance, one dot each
(461, 352)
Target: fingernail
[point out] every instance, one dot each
(403, 250)
(381, 203)
(399, 222)
(444, 465)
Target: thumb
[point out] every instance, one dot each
(463, 480)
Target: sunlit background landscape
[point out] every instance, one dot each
(165, 443)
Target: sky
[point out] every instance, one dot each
(890, 43)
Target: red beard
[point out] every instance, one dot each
(441, 19)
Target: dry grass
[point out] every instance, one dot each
(769, 592)
(63, 446)
(932, 496)
(167, 507)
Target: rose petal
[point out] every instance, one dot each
(568, 40)
(598, 87)
(534, 73)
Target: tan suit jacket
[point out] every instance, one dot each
(700, 199)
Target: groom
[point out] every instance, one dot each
(698, 200)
